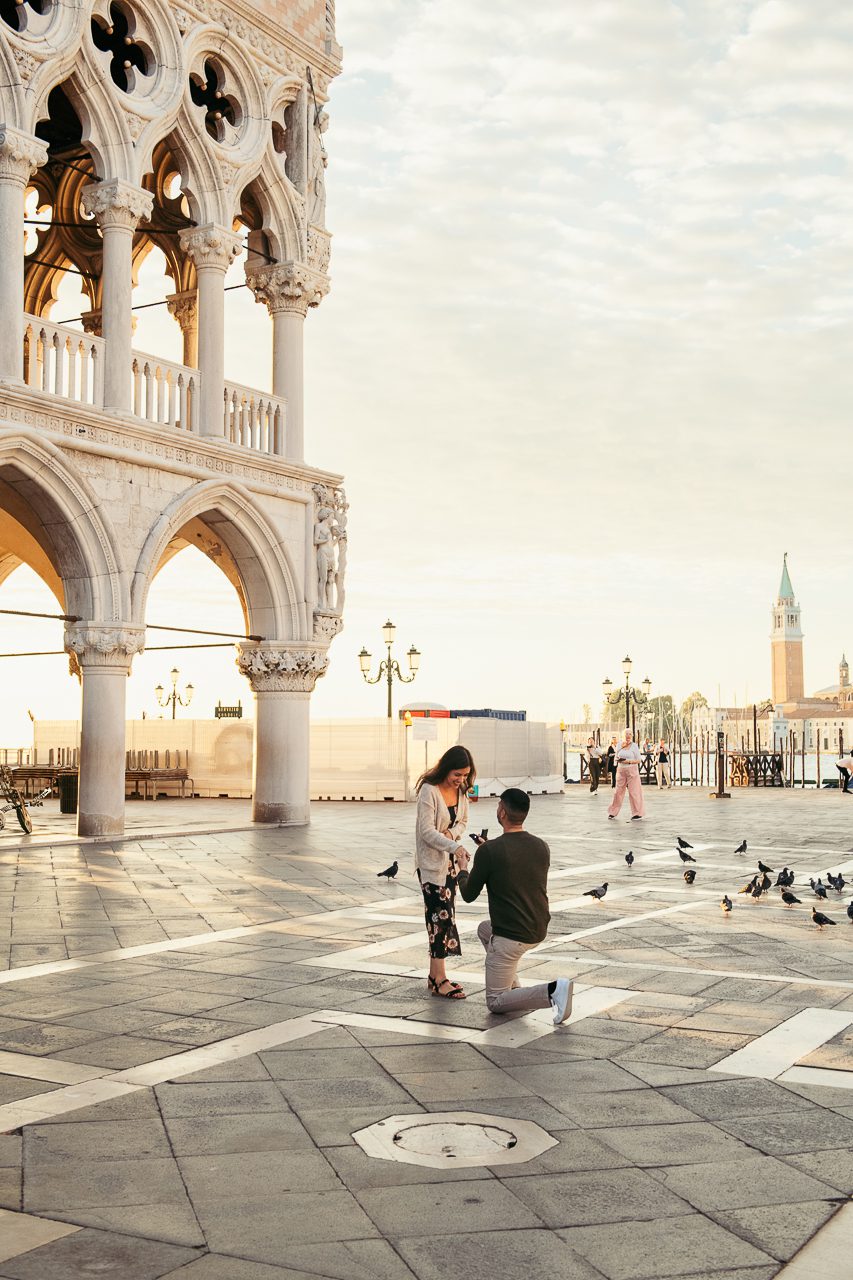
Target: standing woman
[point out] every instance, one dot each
(628, 776)
(441, 823)
(611, 760)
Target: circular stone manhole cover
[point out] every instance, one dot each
(454, 1139)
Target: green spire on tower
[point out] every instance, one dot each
(786, 591)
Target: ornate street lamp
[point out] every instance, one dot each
(389, 667)
(183, 699)
(629, 692)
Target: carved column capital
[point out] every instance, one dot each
(117, 204)
(211, 246)
(93, 322)
(20, 155)
(327, 625)
(288, 286)
(98, 645)
(184, 308)
(282, 668)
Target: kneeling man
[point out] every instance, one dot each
(514, 871)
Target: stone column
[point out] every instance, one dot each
(184, 307)
(20, 156)
(282, 677)
(289, 289)
(119, 208)
(101, 656)
(212, 249)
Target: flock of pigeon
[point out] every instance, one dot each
(758, 886)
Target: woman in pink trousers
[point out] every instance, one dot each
(628, 775)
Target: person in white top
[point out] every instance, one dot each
(628, 776)
(442, 821)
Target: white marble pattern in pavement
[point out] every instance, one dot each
(773, 1053)
(21, 1232)
(822, 1258)
(49, 1069)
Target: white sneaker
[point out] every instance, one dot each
(561, 1000)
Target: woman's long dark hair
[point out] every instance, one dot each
(457, 757)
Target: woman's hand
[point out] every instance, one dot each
(462, 859)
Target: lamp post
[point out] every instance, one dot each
(183, 699)
(389, 667)
(630, 692)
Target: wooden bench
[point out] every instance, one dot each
(153, 777)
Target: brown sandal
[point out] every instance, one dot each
(455, 993)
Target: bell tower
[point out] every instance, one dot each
(786, 643)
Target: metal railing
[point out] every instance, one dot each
(253, 419)
(63, 362)
(164, 393)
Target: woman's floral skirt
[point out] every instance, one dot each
(440, 913)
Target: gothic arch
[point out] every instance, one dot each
(55, 511)
(268, 585)
(282, 209)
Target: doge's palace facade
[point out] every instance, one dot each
(196, 127)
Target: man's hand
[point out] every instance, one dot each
(462, 860)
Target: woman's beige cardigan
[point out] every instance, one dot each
(435, 838)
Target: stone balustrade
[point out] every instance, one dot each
(165, 393)
(63, 361)
(254, 420)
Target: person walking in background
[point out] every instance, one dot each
(611, 760)
(628, 776)
(844, 765)
(442, 820)
(513, 869)
(593, 759)
(663, 772)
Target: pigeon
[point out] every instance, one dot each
(788, 898)
(389, 872)
(726, 904)
(682, 844)
(748, 888)
(685, 857)
(819, 889)
(741, 847)
(835, 882)
(629, 858)
(820, 919)
(850, 909)
(598, 893)
(756, 893)
(781, 879)
(789, 878)
(761, 867)
(765, 883)
(689, 875)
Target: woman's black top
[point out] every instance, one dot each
(451, 809)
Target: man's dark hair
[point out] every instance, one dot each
(516, 803)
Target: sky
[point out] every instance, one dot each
(586, 362)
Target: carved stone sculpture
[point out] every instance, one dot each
(317, 174)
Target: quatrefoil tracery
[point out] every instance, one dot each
(222, 113)
(18, 14)
(128, 58)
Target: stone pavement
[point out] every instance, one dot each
(193, 1026)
